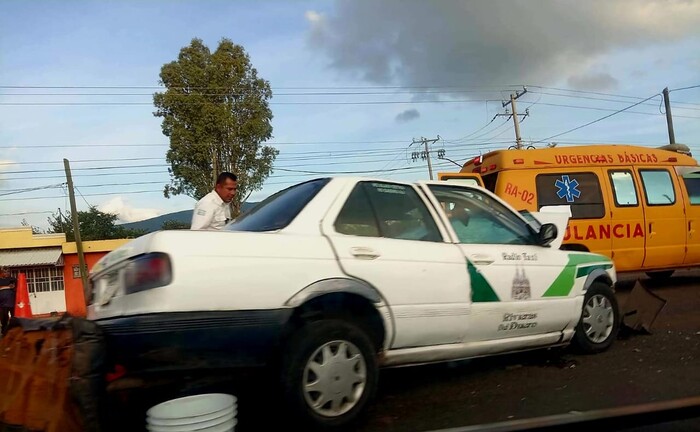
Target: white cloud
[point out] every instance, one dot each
(313, 17)
(125, 211)
(495, 43)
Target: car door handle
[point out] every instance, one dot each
(364, 253)
(482, 259)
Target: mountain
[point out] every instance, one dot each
(184, 216)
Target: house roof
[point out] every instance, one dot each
(31, 257)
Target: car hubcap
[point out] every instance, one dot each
(334, 378)
(598, 318)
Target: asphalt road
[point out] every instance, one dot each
(637, 369)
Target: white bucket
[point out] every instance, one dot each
(213, 412)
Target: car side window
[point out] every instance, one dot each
(624, 189)
(478, 219)
(658, 187)
(378, 209)
(401, 213)
(357, 216)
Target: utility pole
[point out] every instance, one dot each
(669, 118)
(514, 114)
(76, 230)
(426, 153)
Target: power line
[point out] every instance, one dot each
(231, 94)
(359, 154)
(449, 101)
(685, 88)
(19, 191)
(85, 175)
(83, 197)
(160, 87)
(341, 154)
(478, 130)
(598, 99)
(102, 194)
(204, 145)
(341, 172)
(26, 213)
(87, 169)
(611, 110)
(599, 119)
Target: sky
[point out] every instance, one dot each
(354, 83)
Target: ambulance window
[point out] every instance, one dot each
(464, 180)
(692, 184)
(658, 187)
(623, 188)
(490, 181)
(580, 191)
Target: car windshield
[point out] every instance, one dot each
(279, 210)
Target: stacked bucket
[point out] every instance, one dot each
(214, 412)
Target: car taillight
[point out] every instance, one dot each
(146, 272)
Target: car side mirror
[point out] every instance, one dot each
(548, 233)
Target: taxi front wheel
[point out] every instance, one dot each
(600, 320)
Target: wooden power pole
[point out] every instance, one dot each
(76, 230)
(516, 120)
(669, 118)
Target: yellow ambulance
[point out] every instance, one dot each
(640, 206)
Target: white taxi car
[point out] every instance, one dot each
(333, 278)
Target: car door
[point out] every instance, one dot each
(384, 234)
(627, 220)
(518, 288)
(665, 222)
(690, 185)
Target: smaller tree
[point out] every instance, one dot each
(35, 229)
(93, 225)
(173, 224)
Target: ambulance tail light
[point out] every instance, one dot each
(518, 161)
(146, 272)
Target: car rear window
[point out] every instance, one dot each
(280, 209)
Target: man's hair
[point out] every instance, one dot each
(224, 176)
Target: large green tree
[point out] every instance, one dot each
(215, 111)
(93, 225)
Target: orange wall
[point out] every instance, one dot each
(75, 300)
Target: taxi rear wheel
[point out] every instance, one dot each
(329, 373)
(600, 320)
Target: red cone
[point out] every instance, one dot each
(23, 308)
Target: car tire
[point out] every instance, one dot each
(329, 374)
(599, 322)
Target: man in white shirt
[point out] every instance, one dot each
(214, 211)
